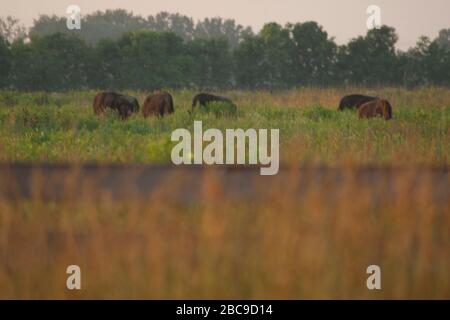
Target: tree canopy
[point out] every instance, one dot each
(118, 50)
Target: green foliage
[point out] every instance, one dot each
(371, 60)
(210, 63)
(319, 114)
(116, 50)
(5, 61)
(249, 67)
(112, 24)
(53, 63)
(62, 127)
(314, 54)
(8, 99)
(219, 109)
(150, 60)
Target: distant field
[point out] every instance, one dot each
(61, 127)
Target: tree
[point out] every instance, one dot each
(353, 62)
(107, 73)
(249, 63)
(151, 60)
(118, 50)
(211, 61)
(11, 29)
(25, 69)
(218, 28)
(5, 62)
(443, 40)
(110, 24)
(181, 25)
(371, 60)
(54, 63)
(414, 64)
(438, 63)
(46, 25)
(277, 48)
(428, 63)
(314, 54)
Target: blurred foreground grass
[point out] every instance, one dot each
(290, 245)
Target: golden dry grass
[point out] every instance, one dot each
(308, 236)
(432, 97)
(316, 243)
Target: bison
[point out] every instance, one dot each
(375, 108)
(159, 104)
(354, 101)
(123, 104)
(204, 98)
(98, 104)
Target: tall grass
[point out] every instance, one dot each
(61, 127)
(308, 235)
(316, 243)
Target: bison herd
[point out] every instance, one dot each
(160, 103)
(367, 106)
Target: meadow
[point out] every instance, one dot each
(61, 127)
(316, 243)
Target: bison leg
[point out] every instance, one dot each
(124, 112)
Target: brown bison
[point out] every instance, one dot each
(98, 104)
(354, 101)
(204, 98)
(376, 108)
(123, 104)
(158, 104)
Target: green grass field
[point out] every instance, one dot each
(316, 243)
(61, 127)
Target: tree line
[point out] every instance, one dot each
(170, 51)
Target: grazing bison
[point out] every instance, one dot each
(204, 98)
(375, 108)
(354, 101)
(123, 104)
(159, 104)
(98, 103)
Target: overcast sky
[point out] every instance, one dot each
(342, 19)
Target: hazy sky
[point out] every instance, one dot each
(342, 19)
